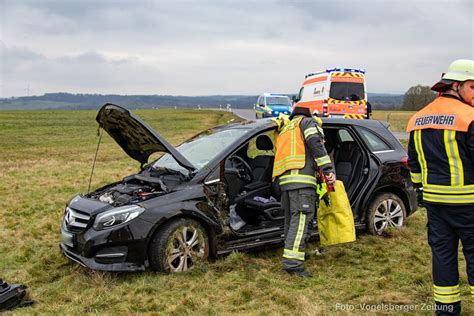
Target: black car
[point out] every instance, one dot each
(213, 194)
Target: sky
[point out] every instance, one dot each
(225, 47)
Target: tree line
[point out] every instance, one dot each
(417, 97)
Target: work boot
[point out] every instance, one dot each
(300, 273)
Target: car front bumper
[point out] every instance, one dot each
(115, 249)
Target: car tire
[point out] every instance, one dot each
(179, 246)
(385, 210)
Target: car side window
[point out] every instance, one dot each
(300, 95)
(253, 151)
(344, 136)
(374, 142)
(261, 102)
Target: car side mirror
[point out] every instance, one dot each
(295, 98)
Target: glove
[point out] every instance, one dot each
(419, 196)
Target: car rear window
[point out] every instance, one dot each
(347, 91)
(278, 101)
(373, 141)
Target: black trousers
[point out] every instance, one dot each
(447, 225)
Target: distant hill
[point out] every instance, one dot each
(94, 101)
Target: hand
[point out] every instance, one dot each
(331, 178)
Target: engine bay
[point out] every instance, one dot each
(148, 183)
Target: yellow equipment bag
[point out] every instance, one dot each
(335, 221)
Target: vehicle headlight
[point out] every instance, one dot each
(117, 216)
(269, 112)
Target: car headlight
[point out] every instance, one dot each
(117, 216)
(269, 112)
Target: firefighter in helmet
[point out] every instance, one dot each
(441, 161)
(299, 153)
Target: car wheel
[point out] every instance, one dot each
(179, 246)
(385, 210)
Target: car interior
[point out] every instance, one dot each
(249, 177)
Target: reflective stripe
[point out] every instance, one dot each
(299, 234)
(298, 178)
(421, 155)
(446, 289)
(321, 161)
(447, 299)
(284, 164)
(415, 177)
(290, 254)
(297, 182)
(310, 131)
(454, 199)
(446, 189)
(455, 163)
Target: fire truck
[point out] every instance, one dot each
(335, 92)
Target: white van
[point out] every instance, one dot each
(335, 92)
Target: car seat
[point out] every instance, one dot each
(270, 210)
(262, 166)
(348, 161)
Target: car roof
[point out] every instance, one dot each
(270, 122)
(274, 95)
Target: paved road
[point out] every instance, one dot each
(249, 114)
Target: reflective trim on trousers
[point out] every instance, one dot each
(290, 254)
(299, 234)
(446, 294)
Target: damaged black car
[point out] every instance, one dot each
(214, 194)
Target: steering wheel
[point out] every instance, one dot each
(245, 172)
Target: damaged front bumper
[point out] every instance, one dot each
(93, 264)
(115, 249)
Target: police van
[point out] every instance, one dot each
(339, 92)
(272, 104)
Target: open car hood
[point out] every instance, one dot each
(136, 137)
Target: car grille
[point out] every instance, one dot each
(75, 220)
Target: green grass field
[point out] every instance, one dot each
(46, 158)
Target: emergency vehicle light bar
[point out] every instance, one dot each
(357, 70)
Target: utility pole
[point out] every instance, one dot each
(28, 91)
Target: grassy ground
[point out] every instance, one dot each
(397, 119)
(45, 159)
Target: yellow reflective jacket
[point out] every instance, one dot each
(290, 148)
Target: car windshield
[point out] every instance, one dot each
(201, 149)
(347, 91)
(278, 101)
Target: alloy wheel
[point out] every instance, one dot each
(186, 247)
(388, 213)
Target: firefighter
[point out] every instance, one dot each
(441, 161)
(299, 152)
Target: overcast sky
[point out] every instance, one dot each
(225, 47)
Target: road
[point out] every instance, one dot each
(250, 115)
